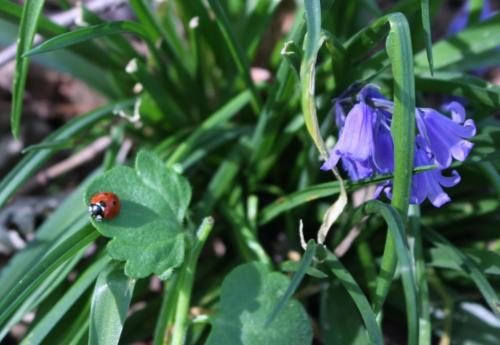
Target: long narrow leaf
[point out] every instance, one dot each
(359, 298)
(426, 23)
(397, 231)
(87, 33)
(34, 160)
(57, 312)
(43, 268)
(295, 281)
(27, 30)
(237, 52)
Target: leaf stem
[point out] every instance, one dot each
(185, 283)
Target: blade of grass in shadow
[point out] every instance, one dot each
(426, 24)
(34, 160)
(397, 230)
(297, 277)
(237, 53)
(43, 327)
(398, 46)
(318, 191)
(46, 265)
(461, 85)
(469, 267)
(224, 114)
(87, 33)
(110, 303)
(156, 33)
(477, 39)
(159, 92)
(27, 30)
(38, 296)
(357, 295)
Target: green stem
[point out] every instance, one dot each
(185, 283)
(164, 322)
(425, 328)
(384, 279)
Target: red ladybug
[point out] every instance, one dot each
(104, 205)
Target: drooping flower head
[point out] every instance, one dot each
(365, 146)
(364, 128)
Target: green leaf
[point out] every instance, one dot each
(487, 261)
(426, 23)
(341, 321)
(110, 302)
(478, 39)
(294, 266)
(27, 30)
(147, 232)
(469, 267)
(305, 263)
(398, 47)
(397, 237)
(58, 311)
(312, 43)
(357, 295)
(87, 33)
(237, 52)
(248, 295)
(457, 84)
(43, 268)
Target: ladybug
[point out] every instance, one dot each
(104, 205)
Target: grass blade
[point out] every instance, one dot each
(237, 53)
(57, 312)
(81, 35)
(398, 236)
(43, 268)
(305, 263)
(307, 73)
(223, 115)
(110, 302)
(34, 160)
(398, 47)
(426, 23)
(357, 295)
(27, 29)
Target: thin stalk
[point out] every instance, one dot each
(165, 317)
(425, 328)
(185, 283)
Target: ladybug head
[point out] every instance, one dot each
(96, 211)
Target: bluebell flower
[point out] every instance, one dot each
(364, 128)
(445, 136)
(365, 146)
(428, 184)
(461, 19)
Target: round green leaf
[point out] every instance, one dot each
(147, 233)
(248, 296)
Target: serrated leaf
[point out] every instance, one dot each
(248, 296)
(147, 232)
(174, 187)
